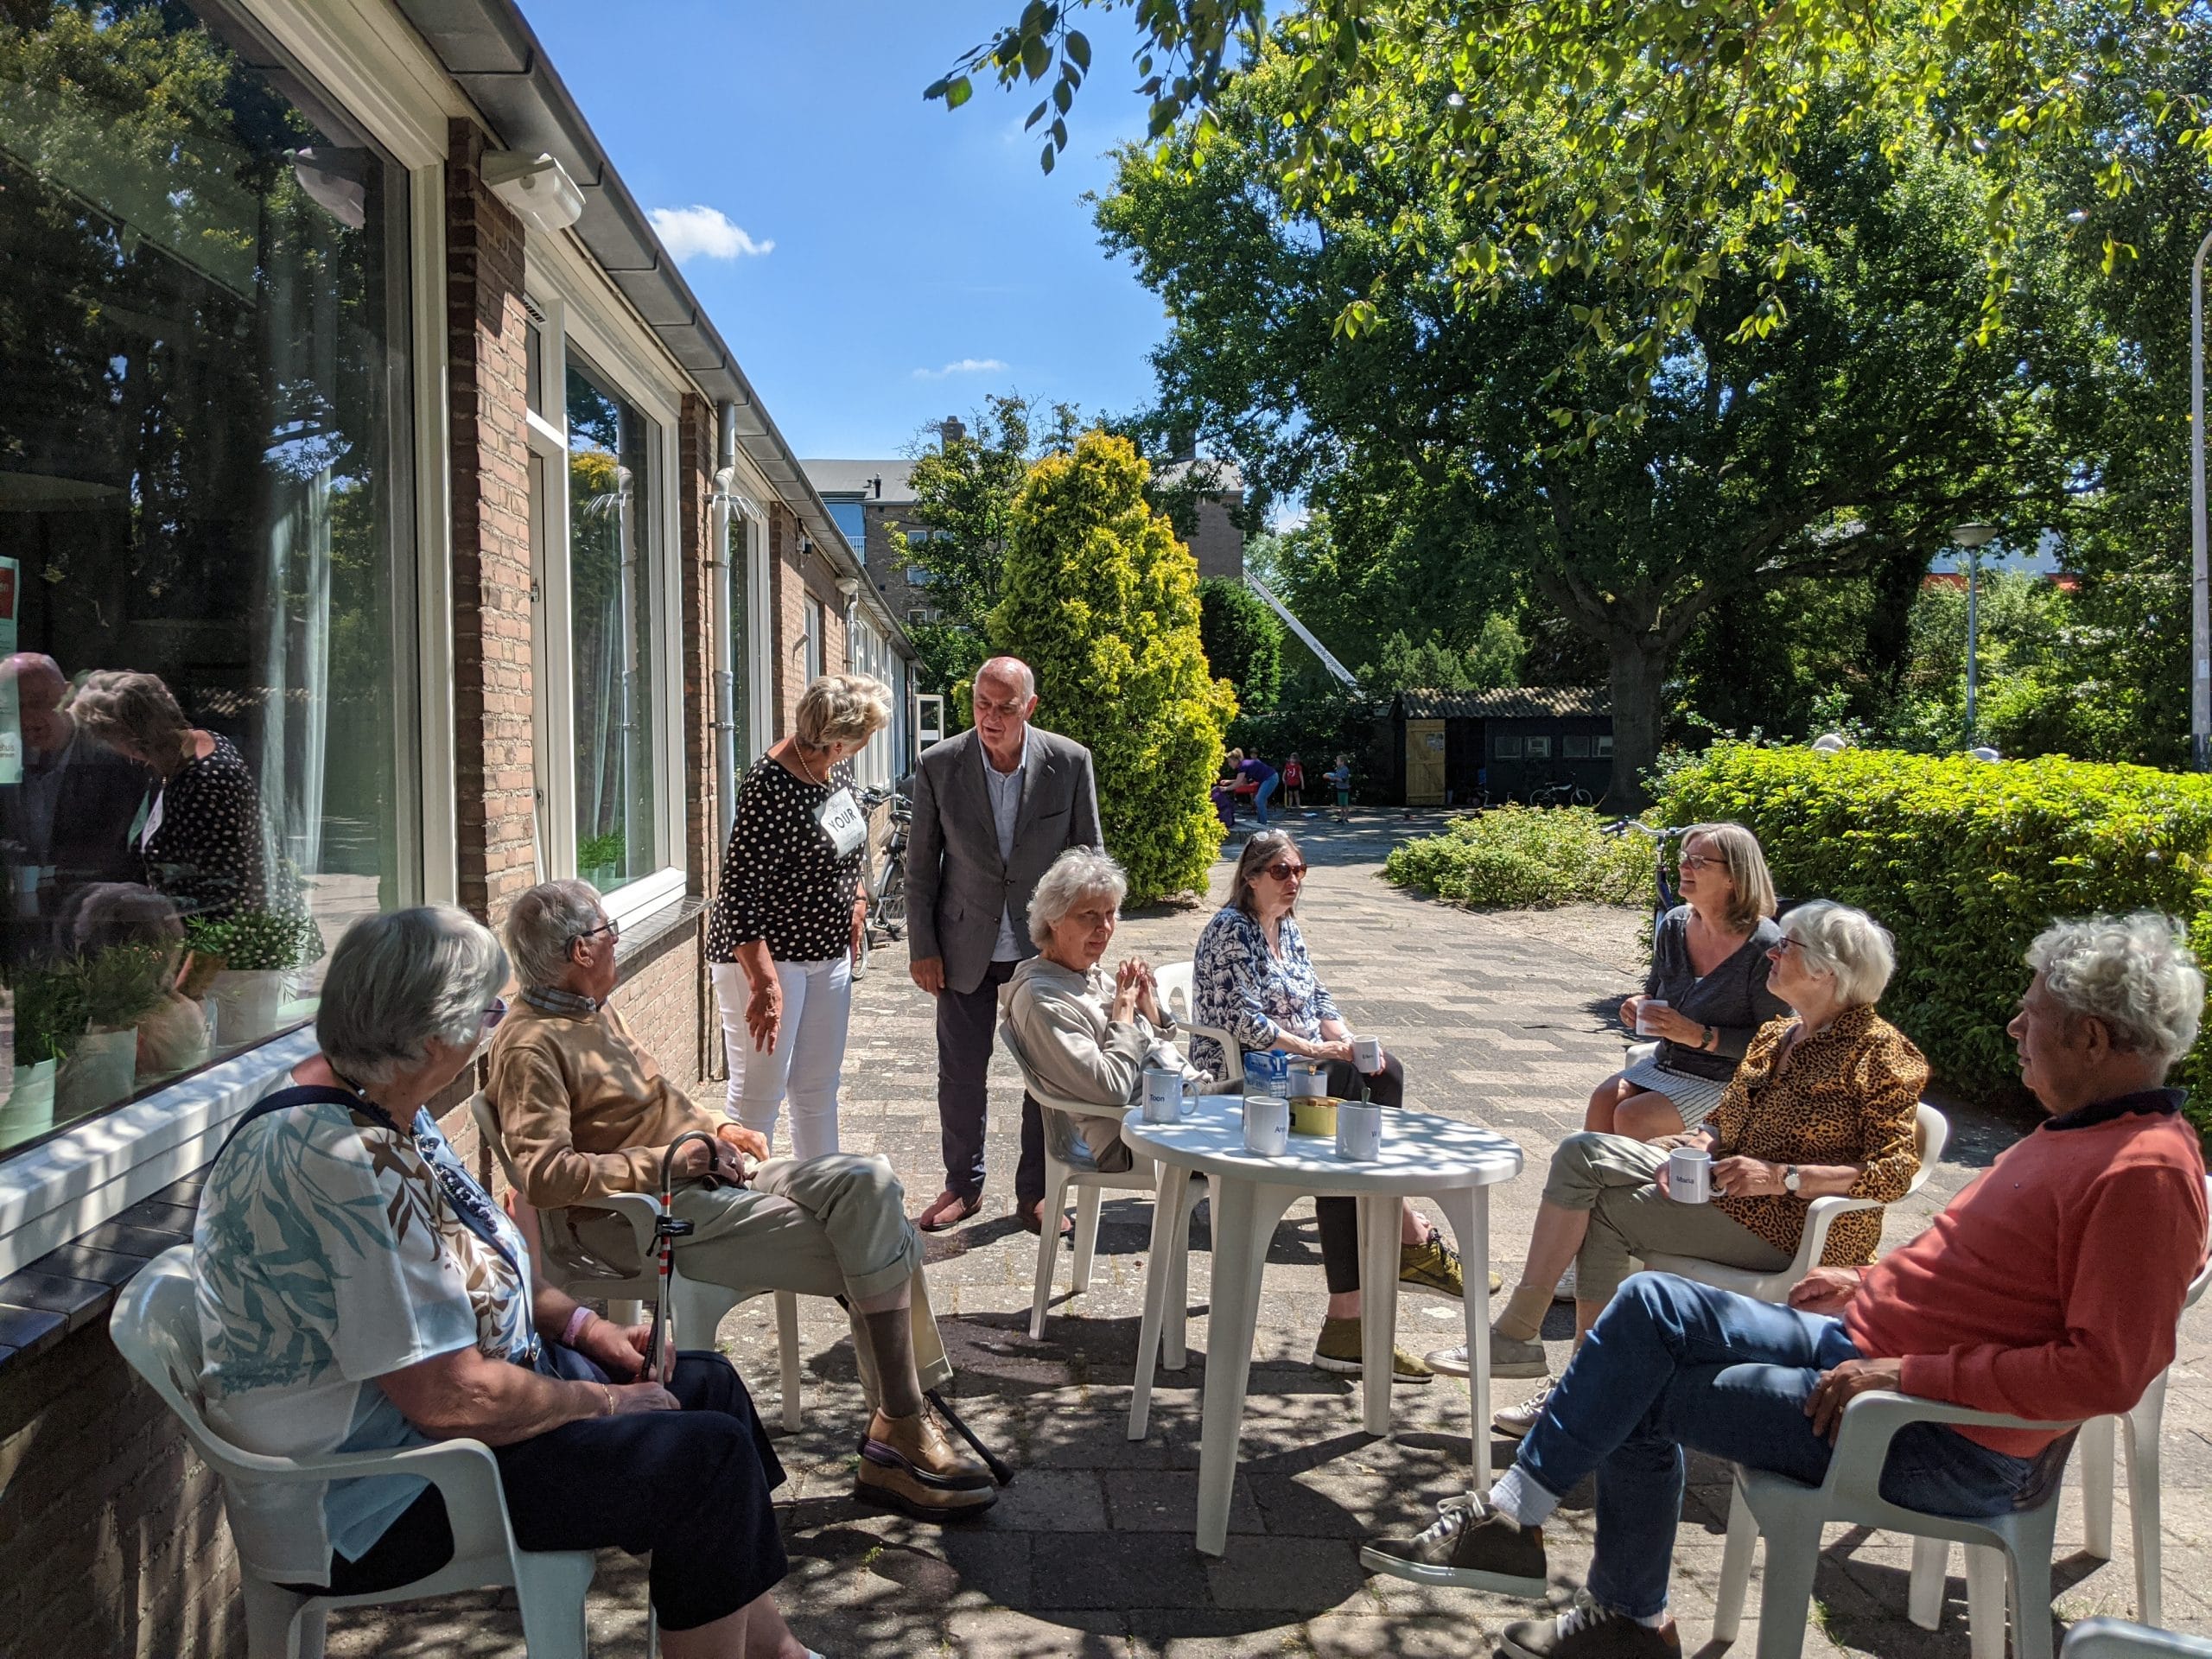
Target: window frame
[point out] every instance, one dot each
(1505, 746)
(1537, 746)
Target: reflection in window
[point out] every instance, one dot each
(197, 511)
(816, 628)
(610, 589)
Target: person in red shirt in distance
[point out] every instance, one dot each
(2048, 1289)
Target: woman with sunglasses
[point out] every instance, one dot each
(359, 1291)
(1252, 977)
(1705, 994)
(1825, 1103)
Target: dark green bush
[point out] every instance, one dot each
(1966, 861)
(1526, 858)
(1317, 729)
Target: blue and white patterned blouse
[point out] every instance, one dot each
(1241, 986)
(327, 1256)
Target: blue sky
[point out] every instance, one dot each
(876, 262)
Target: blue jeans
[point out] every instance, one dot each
(1260, 800)
(1673, 1363)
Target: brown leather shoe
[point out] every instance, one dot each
(949, 1211)
(909, 1465)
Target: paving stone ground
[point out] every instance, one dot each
(1505, 1019)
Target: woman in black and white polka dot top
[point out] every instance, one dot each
(202, 841)
(788, 914)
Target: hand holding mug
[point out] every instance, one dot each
(1656, 1019)
(1367, 1054)
(1745, 1178)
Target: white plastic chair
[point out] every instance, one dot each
(1931, 1131)
(2015, 1548)
(1061, 1173)
(157, 1326)
(1179, 1000)
(2115, 1638)
(699, 1307)
(1931, 1560)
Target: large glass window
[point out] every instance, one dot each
(201, 500)
(611, 588)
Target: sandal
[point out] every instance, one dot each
(949, 1211)
(1031, 1216)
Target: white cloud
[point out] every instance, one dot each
(703, 231)
(965, 365)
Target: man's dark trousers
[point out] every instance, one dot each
(967, 1025)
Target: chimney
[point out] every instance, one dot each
(950, 430)
(1186, 447)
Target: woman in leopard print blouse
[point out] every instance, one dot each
(1825, 1102)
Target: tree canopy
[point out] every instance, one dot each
(1652, 153)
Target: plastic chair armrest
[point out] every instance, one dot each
(2115, 1638)
(1872, 1420)
(1231, 1049)
(1819, 1216)
(640, 1210)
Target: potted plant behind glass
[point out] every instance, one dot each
(50, 1016)
(259, 951)
(600, 860)
(121, 985)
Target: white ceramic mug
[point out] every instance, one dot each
(1367, 1054)
(1163, 1095)
(1644, 1025)
(1267, 1125)
(1689, 1175)
(1308, 1080)
(1359, 1132)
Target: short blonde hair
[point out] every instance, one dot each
(121, 704)
(1849, 944)
(843, 708)
(1747, 873)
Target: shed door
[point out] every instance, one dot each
(1424, 763)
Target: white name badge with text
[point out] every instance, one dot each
(843, 821)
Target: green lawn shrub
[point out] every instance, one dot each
(1524, 858)
(1966, 861)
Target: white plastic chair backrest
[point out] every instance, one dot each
(487, 1131)
(1931, 1133)
(1176, 992)
(156, 1326)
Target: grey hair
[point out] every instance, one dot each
(1848, 943)
(400, 981)
(1074, 876)
(843, 708)
(2136, 974)
(545, 922)
(1011, 668)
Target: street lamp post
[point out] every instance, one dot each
(2200, 612)
(1971, 537)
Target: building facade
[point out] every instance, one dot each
(382, 521)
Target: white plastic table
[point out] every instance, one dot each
(1453, 1163)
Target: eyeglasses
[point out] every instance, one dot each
(1286, 871)
(1005, 711)
(489, 1020)
(613, 929)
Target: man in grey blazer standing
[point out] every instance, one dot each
(993, 808)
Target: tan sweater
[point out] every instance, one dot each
(583, 1109)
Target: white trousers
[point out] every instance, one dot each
(809, 1051)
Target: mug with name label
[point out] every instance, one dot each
(1163, 1095)
(1689, 1175)
(1267, 1125)
(1367, 1054)
(1359, 1132)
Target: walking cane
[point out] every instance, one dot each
(667, 1228)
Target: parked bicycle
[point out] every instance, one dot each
(886, 888)
(1560, 791)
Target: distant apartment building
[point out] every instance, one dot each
(873, 501)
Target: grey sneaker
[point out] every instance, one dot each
(1587, 1630)
(1564, 1291)
(1447, 1362)
(1470, 1545)
(1510, 1358)
(1517, 1420)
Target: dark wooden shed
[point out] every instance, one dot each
(1453, 748)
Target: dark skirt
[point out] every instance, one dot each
(689, 1486)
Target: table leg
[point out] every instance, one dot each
(1159, 1278)
(1466, 1209)
(1379, 1228)
(1244, 1217)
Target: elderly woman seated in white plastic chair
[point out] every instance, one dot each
(1085, 1035)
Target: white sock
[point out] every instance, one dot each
(1653, 1621)
(1521, 1500)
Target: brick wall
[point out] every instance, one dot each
(787, 611)
(659, 998)
(111, 1528)
(488, 343)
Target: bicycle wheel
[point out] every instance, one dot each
(1582, 798)
(891, 907)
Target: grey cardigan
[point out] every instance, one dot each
(1733, 999)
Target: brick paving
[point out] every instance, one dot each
(1504, 1019)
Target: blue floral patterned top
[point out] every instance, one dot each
(1241, 986)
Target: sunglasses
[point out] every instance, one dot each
(1286, 871)
(1700, 862)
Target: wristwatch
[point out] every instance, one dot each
(1790, 1178)
(1709, 1042)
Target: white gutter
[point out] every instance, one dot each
(1305, 634)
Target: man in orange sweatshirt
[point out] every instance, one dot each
(2049, 1289)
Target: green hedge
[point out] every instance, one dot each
(1527, 857)
(1966, 861)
